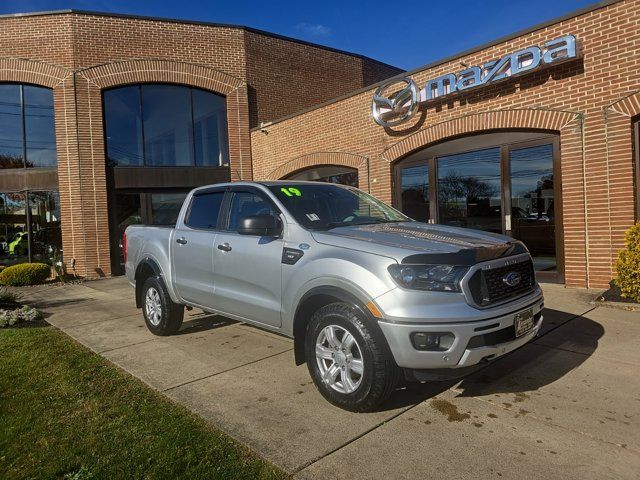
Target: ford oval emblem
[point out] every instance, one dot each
(512, 279)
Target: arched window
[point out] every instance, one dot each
(160, 125)
(500, 182)
(328, 174)
(27, 131)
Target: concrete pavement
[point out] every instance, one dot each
(565, 406)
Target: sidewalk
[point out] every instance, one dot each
(565, 406)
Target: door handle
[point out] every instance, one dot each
(225, 247)
(181, 240)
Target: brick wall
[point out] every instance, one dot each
(571, 99)
(78, 55)
(287, 77)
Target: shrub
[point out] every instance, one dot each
(25, 314)
(8, 296)
(628, 265)
(25, 274)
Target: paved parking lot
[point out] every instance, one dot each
(565, 406)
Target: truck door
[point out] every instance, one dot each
(193, 246)
(248, 269)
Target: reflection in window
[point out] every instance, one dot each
(29, 228)
(328, 174)
(469, 190)
(39, 127)
(165, 125)
(205, 209)
(123, 125)
(532, 203)
(165, 207)
(44, 208)
(31, 143)
(246, 204)
(13, 229)
(127, 211)
(414, 192)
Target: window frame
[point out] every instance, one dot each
(23, 129)
(221, 212)
(544, 138)
(144, 163)
(635, 145)
(231, 191)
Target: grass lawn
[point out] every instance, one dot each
(65, 412)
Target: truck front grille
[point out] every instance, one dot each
(490, 286)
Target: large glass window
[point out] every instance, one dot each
(29, 227)
(165, 125)
(123, 125)
(414, 192)
(165, 207)
(500, 182)
(328, 174)
(533, 217)
(469, 190)
(27, 130)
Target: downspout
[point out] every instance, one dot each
(77, 133)
(584, 196)
(606, 157)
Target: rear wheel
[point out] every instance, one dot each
(348, 358)
(162, 316)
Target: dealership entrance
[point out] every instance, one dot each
(499, 182)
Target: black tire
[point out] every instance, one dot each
(168, 319)
(380, 374)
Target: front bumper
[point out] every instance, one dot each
(460, 354)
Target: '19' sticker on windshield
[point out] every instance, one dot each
(291, 191)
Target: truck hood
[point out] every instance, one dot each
(422, 243)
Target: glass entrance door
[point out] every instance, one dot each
(533, 215)
(498, 182)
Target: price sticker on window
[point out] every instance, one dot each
(291, 191)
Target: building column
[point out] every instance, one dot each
(239, 135)
(82, 177)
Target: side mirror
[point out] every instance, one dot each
(260, 225)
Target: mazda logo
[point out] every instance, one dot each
(398, 106)
(512, 279)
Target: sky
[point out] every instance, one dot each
(407, 35)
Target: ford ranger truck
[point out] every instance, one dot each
(367, 294)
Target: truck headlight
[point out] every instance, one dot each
(435, 278)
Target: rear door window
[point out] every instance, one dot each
(205, 210)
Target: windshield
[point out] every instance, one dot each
(324, 206)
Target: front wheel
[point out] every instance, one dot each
(348, 358)
(162, 316)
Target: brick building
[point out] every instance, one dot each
(108, 120)
(532, 135)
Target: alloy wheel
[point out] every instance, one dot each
(153, 306)
(339, 359)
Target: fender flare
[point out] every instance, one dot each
(146, 263)
(300, 324)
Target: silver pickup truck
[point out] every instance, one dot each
(366, 293)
